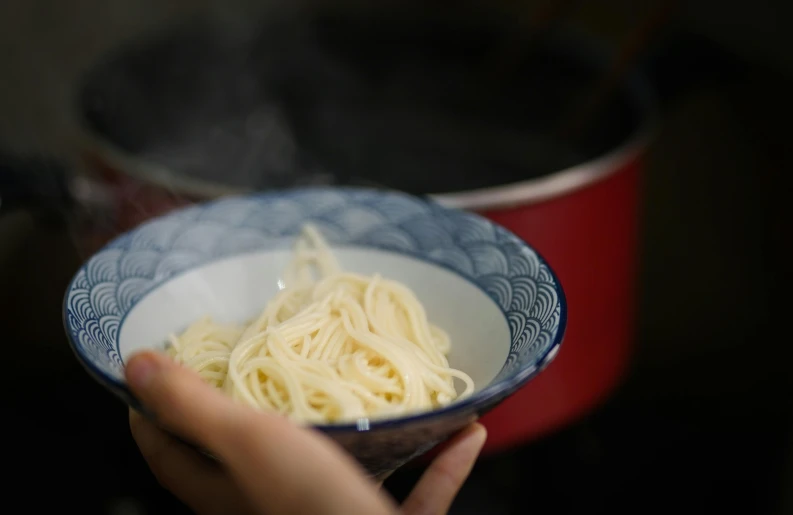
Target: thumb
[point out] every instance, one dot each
(182, 402)
(283, 467)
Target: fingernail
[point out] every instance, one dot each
(475, 438)
(140, 370)
(482, 435)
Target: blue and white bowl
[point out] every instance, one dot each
(499, 300)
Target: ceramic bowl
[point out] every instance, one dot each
(500, 302)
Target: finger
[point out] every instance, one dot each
(182, 402)
(435, 491)
(195, 481)
(285, 468)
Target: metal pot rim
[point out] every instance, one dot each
(495, 197)
(553, 185)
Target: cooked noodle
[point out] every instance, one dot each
(331, 346)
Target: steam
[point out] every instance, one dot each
(222, 101)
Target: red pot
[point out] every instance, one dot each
(583, 219)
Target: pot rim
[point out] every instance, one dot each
(547, 187)
(504, 196)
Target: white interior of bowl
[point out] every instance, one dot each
(236, 289)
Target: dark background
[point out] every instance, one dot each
(702, 423)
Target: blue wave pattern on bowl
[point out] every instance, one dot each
(110, 284)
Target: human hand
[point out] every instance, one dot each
(269, 465)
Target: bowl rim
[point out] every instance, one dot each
(479, 401)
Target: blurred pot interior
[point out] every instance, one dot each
(410, 100)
